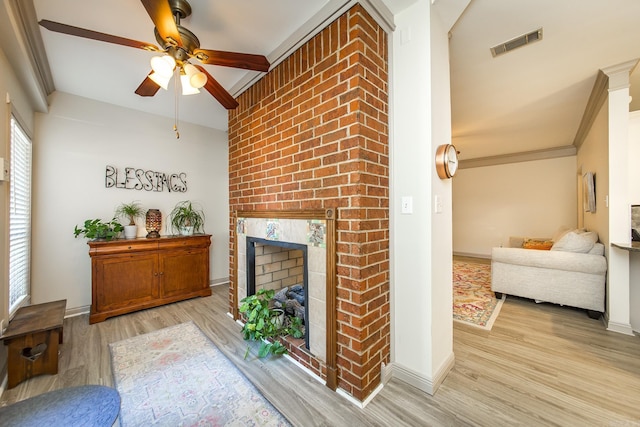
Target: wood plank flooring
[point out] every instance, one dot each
(540, 365)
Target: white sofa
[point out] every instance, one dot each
(570, 274)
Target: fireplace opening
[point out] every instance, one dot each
(281, 267)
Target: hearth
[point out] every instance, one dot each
(281, 267)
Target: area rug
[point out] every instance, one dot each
(474, 303)
(177, 377)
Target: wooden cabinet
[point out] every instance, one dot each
(133, 274)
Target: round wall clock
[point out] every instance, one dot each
(446, 161)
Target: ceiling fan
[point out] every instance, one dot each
(178, 45)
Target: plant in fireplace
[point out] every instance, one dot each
(267, 324)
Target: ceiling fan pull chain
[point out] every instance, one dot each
(175, 91)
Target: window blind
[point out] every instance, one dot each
(19, 217)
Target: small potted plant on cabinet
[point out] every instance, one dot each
(187, 218)
(98, 230)
(130, 211)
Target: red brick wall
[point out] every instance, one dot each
(313, 133)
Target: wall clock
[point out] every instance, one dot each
(446, 161)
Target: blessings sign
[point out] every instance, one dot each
(148, 180)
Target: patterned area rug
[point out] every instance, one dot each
(177, 377)
(474, 303)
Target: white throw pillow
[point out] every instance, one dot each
(573, 242)
(591, 235)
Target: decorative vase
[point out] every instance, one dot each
(153, 223)
(130, 231)
(187, 230)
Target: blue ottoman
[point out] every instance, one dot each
(89, 405)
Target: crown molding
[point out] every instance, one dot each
(596, 100)
(526, 156)
(28, 53)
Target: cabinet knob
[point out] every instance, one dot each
(155, 274)
(129, 247)
(161, 273)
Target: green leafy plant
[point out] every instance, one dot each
(130, 211)
(96, 229)
(267, 325)
(186, 215)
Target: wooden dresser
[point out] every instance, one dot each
(133, 274)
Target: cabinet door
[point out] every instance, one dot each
(184, 271)
(124, 281)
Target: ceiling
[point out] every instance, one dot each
(532, 98)
(111, 73)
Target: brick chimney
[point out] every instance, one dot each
(313, 134)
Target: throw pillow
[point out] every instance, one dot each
(543, 245)
(591, 235)
(573, 242)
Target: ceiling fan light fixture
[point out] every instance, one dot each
(163, 65)
(160, 80)
(187, 89)
(197, 78)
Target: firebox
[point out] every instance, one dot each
(281, 267)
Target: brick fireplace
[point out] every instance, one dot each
(312, 135)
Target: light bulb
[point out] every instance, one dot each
(197, 78)
(160, 80)
(163, 65)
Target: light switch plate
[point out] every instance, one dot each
(437, 204)
(407, 205)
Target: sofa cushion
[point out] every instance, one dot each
(574, 242)
(556, 260)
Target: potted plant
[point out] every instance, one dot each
(98, 230)
(187, 218)
(266, 324)
(130, 211)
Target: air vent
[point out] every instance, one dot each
(520, 41)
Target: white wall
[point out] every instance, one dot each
(73, 144)
(421, 273)
(634, 198)
(530, 199)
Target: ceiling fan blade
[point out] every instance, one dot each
(95, 35)
(218, 92)
(162, 17)
(246, 61)
(148, 87)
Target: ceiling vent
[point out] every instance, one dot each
(520, 41)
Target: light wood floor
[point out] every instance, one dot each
(540, 365)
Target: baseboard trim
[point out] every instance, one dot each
(78, 311)
(218, 282)
(621, 328)
(419, 381)
(472, 255)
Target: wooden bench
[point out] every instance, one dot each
(32, 338)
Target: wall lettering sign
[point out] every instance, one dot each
(140, 179)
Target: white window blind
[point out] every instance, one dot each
(19, 217)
